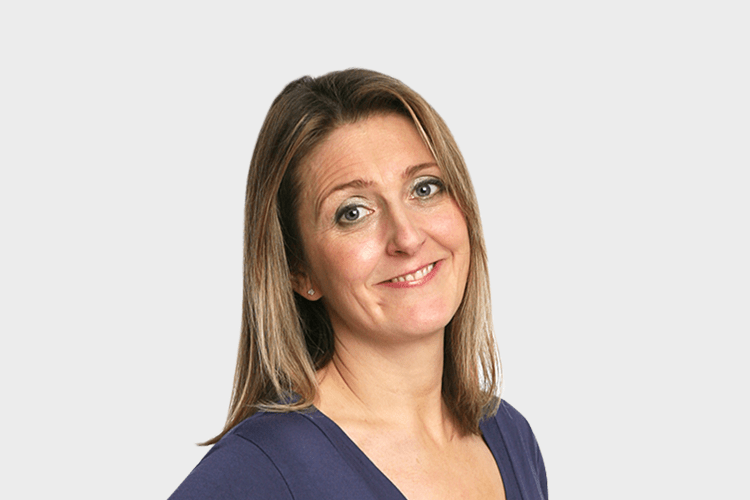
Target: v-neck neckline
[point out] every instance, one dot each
(349, 449)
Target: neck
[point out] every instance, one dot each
(391, 385)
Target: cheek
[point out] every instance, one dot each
(344, 263)
(450, 226)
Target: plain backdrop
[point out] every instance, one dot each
(609, 146)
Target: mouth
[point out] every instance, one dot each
(414, 278)
(418, 274)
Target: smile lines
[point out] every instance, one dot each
(415, 275)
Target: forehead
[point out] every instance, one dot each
(377, 148)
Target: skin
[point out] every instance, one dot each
(373, 208)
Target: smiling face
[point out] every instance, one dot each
(386, 247)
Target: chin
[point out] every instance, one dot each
(425, 326)
(435, 315)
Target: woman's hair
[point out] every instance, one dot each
(285, 338)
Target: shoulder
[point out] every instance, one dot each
(283, 436)
(508, 418)
(279, 424)
(523, 448)
(517, 431)
(276, 456)
(254, 456)
(230, 468)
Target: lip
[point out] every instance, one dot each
(414, 283)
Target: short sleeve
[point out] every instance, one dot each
(234, 469)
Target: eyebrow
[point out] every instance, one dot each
(361, 183)
(412, 171)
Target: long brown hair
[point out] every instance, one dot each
(286, 338)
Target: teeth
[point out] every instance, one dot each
(417, 275)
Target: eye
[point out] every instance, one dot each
(427, 188)
(351, 214)
(424, 190)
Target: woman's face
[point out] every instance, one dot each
(386, 247)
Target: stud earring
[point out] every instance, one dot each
(311, 292)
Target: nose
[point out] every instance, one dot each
(404, 234)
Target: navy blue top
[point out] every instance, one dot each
(305, 455)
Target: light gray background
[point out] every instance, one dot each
(608, 142)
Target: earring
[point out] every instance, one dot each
(311, 292)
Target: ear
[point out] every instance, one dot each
(304, 286)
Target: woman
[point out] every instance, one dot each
(366, 366)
